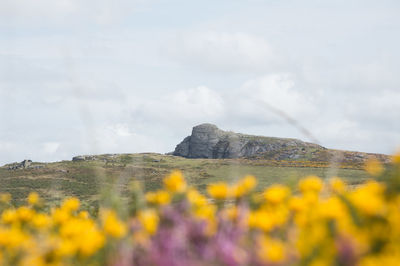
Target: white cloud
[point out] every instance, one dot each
(64, 11)
(50, 147)
(67, 80)
(199, 101)
(197, 104)
(121, 130)
(278, 91)
(223, 51)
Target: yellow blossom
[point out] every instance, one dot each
(66, 247)
(261, 219)
(272, 250)
(112, 225)
(231, 213)
(149, 220)
(206, 212)
(9, 216)
(337, 185)
(218, 190)
(396, 158)
(91, 241)
(248, 182)
(310, 184)
(297, 203)
(332, 208)
(25, 213)
(83, 215)
(195, 198)
(59, 216)
(374, 167)
(33, 198)
(41, 220)
(175, 182)
(369, 198)
(160, 197)
(243, 187)
(276, 193)
(13, 237)
(71, 204)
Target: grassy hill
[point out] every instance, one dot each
(90, 178)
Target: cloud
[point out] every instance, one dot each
(223, 51)
(128, 76)
(64, 11)
(267, 100)
(276, 91)
(50, 147)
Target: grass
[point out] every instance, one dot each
(87, 179)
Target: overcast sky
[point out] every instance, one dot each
(109, 76)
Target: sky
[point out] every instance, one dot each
(126, 76)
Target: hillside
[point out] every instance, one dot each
(208, 155)
(87, 177)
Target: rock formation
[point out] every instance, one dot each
(25, 164)
(208, 141)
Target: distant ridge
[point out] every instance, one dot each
(208, 141)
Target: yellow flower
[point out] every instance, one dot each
(218, 190)
(73, 227)
(243, 187)
(374, 167)
(272, 250)
(149, 220)
(41, 220)
(175, 182)
(369, 198)
(24, 213)
(276, 193)
(160, 197)
(66, 247)
(236, 191)
(151, 197)
(396, 158)
(248, 182)
(195, 198)
(83, 215)
(112, 225)
(71, 204)
(261, 219)
(231, 213)
(59, 216)
(90, 241)
(297, 204)
(206, 212)
(310, 184)
(33, 198)
(13, 238)
(9, 216)
(337, 185)
(5, 198)
(332, 208)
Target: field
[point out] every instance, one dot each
(90, 180)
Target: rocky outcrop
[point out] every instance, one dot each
(208, 141)
(25, 164)
(83, 158)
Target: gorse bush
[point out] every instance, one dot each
(315, 224)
